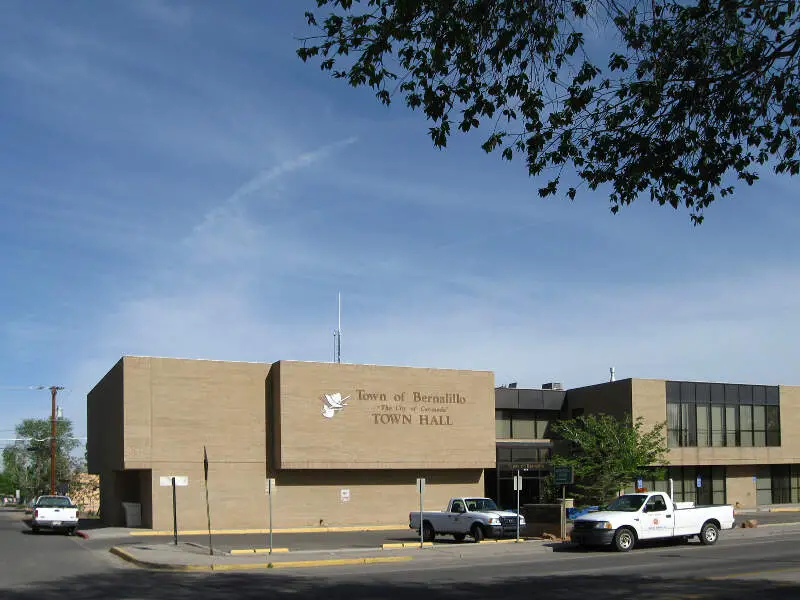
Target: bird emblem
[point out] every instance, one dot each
(332, 404)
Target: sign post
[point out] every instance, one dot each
(563, 476)
(174, 511)
(174, 481)
(270, 490)
(518, 488)
(421, 490)
(208, 506)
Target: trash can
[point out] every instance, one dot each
(133, 514)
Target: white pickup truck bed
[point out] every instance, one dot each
(56, 513)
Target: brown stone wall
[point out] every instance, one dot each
(392, 419)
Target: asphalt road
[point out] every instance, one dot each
(742, 566)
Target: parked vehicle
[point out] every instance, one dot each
(650, 516)
(56, 513)
(476, 517)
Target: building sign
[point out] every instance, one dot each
(344, 495)
(400, 408)
(330, 416)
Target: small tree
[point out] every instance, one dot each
(27, 462)
(608, 453)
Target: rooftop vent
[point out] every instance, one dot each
(552, 386)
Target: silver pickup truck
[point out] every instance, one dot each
(476, 517)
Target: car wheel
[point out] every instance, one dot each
(709, 534)
(624, 539)
(428, 532)
(459, 537)
(477, 532)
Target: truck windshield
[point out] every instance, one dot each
(53, 503)
(480, 504)
(627, 503)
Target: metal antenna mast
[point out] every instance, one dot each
(338, 333)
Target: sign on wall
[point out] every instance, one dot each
(344, 495)
(180, 481)
(363, 416)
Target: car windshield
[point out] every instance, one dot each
(480, 504)
(627, 503)
(53, 502)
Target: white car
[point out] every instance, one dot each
(650, 516)
(476, 517)
(56, 513)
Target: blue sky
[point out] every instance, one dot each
(174, 181)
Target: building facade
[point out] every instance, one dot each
(727, 443)
(344, 443)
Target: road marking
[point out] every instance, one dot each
(754, 573)
(405, 545)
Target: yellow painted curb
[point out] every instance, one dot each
(252, 566)
(344, 528)
(504, 541)
(405, 545)
(257, 550)
(786, 509)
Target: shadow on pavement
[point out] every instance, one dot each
(144, 584)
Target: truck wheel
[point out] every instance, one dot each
(709, 534)
(624, 540)
(428, 532)
(476, 532)
(459, 537)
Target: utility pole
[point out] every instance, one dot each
(53, 393)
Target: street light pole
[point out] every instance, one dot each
(53, 392)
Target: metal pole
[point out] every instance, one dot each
(421, 520)
(519, 485)
(53, 392)
(174, 512)
(270, 516)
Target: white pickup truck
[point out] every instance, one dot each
(650, 516)
(55, 513)
(476, 517)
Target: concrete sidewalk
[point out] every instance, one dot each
(189, 557)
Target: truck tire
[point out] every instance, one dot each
(477, 532)
(709, 534)
(459, 537)
(624, 539)
(428, 532)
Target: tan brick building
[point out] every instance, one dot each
(728, 443)
(345, 443)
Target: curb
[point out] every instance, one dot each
(339, 529)
(785, 509)
(393, 545)
(257, 551)
(145, 564)
(506, 541)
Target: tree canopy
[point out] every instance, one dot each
(608, 454)
(671, 100)
(26, 463)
